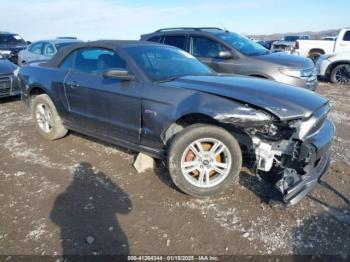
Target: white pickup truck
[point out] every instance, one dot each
(315, 48)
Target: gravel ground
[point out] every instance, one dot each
(78, 195)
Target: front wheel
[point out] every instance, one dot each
(204, 160)
(46, 118)
(341, 74)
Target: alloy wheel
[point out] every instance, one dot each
(206, 162)
(44, 118)
(343, 74)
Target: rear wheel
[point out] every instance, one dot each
(341, 74)
(47, 120)
(204, 160)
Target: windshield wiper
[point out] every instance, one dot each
(169, 79)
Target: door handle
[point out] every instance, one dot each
(74, 84)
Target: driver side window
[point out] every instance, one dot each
(95, 61)
(68, 62)
(205, 47)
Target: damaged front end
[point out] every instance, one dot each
(293, 155)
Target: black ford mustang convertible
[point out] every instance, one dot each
(162, 101)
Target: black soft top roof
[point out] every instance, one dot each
(109, 44)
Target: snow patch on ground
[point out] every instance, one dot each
(17, 174)
(341, 150)
(19, 149)
(258, 228)
(15, 142)
(339, 117)
(38, 231)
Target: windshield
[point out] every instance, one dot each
(8, 39)
(243, 44)
(291, 38)
(164, 63)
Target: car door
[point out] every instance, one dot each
(343, 44)
(47, 51)
(207, 51)
(34, 52)
(107, 107)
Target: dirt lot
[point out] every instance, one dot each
(82, 196)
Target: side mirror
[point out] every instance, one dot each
(225, 55)
(120, 74)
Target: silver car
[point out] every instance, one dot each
(43, 50)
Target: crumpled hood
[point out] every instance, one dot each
(287, 60)
(6, 67)
(284, 101)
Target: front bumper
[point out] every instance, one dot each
(293, 195)
(9, 86)
(322, 66)
(295, 166)
(317, 150)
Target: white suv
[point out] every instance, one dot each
(335, 67)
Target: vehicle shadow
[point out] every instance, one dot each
(162, 173)
(6, 100)
(262, 189)
(103, 143)
(86, 214)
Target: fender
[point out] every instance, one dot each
(47, 80)
(214, 108)
(219, 108)
(335, 63)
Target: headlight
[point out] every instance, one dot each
(295, 72)
(260, 116)
(245, 115)
(268, 129)
(5, 52)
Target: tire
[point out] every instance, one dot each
(340, 74)
(314, 56)
(44, 112)
(180, 154)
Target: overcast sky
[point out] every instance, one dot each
(118, 19)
